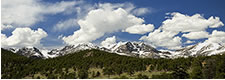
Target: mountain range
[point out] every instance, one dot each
(134, 49)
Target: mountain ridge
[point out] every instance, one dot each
(135, 49)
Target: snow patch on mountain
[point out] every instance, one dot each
(135, 49)
(200, 49)
(71, 49)
(138, 49)
(29, 52)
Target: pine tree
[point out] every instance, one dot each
(82, 74)
(196, 69)
(209, 69)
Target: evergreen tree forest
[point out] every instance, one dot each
(99, 64)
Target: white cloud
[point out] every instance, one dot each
(105, 19)
(63, 6)
(82, 12)
(23, 37)
(140, 11)
(167, 35)
(60, 36)
(184, 23)
(215, 22)
(217, 37)
(6, 26)
(108, 41)
(24, 13)
(128, 7)
(140, 29)
(64, 25)
(189, 42)
(164, 39)
(196, 35)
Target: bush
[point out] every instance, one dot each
(140, 76)
(82, 74)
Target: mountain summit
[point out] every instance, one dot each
(72, 48)
(134, 49)
(138, 49)
(28, 51)
(201, 49)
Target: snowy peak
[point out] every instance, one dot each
(72, 48)
(138, 49)
(202, 49)
(29, 52)
(134, 47)
(84, 46)
(115, 46)
(13, 50)
(143, 50)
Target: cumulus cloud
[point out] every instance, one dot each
(67, 7)
(64, 25)
(81, 12)
(140, 29)
(196, 35)
(140, 11)
(60, 36)
(183, 23)
(167, 35)
(23, 37)
(189, 42)
(105, 19)
(164, 39)
(23, 13)
(108, 41)
(214, 22)
(217, 37)
(86, 8)
(128, 7)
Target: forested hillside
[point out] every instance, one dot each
(100, 64)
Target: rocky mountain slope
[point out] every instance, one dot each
(135, 49)
(71, 49)
(200, 49)
(28, 51)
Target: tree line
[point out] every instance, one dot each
(76, 65)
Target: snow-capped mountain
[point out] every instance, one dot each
(143, 50)
(28, 52)
(71, 49)
(136, 49)
(200, 49)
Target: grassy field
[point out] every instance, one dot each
(91, 71)
(123, 75)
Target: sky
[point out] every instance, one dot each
(164, 24)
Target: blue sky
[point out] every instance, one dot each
(156, 14)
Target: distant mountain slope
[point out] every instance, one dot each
(135, 49)
(72, 48)
(200, 49)
(28, 51)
